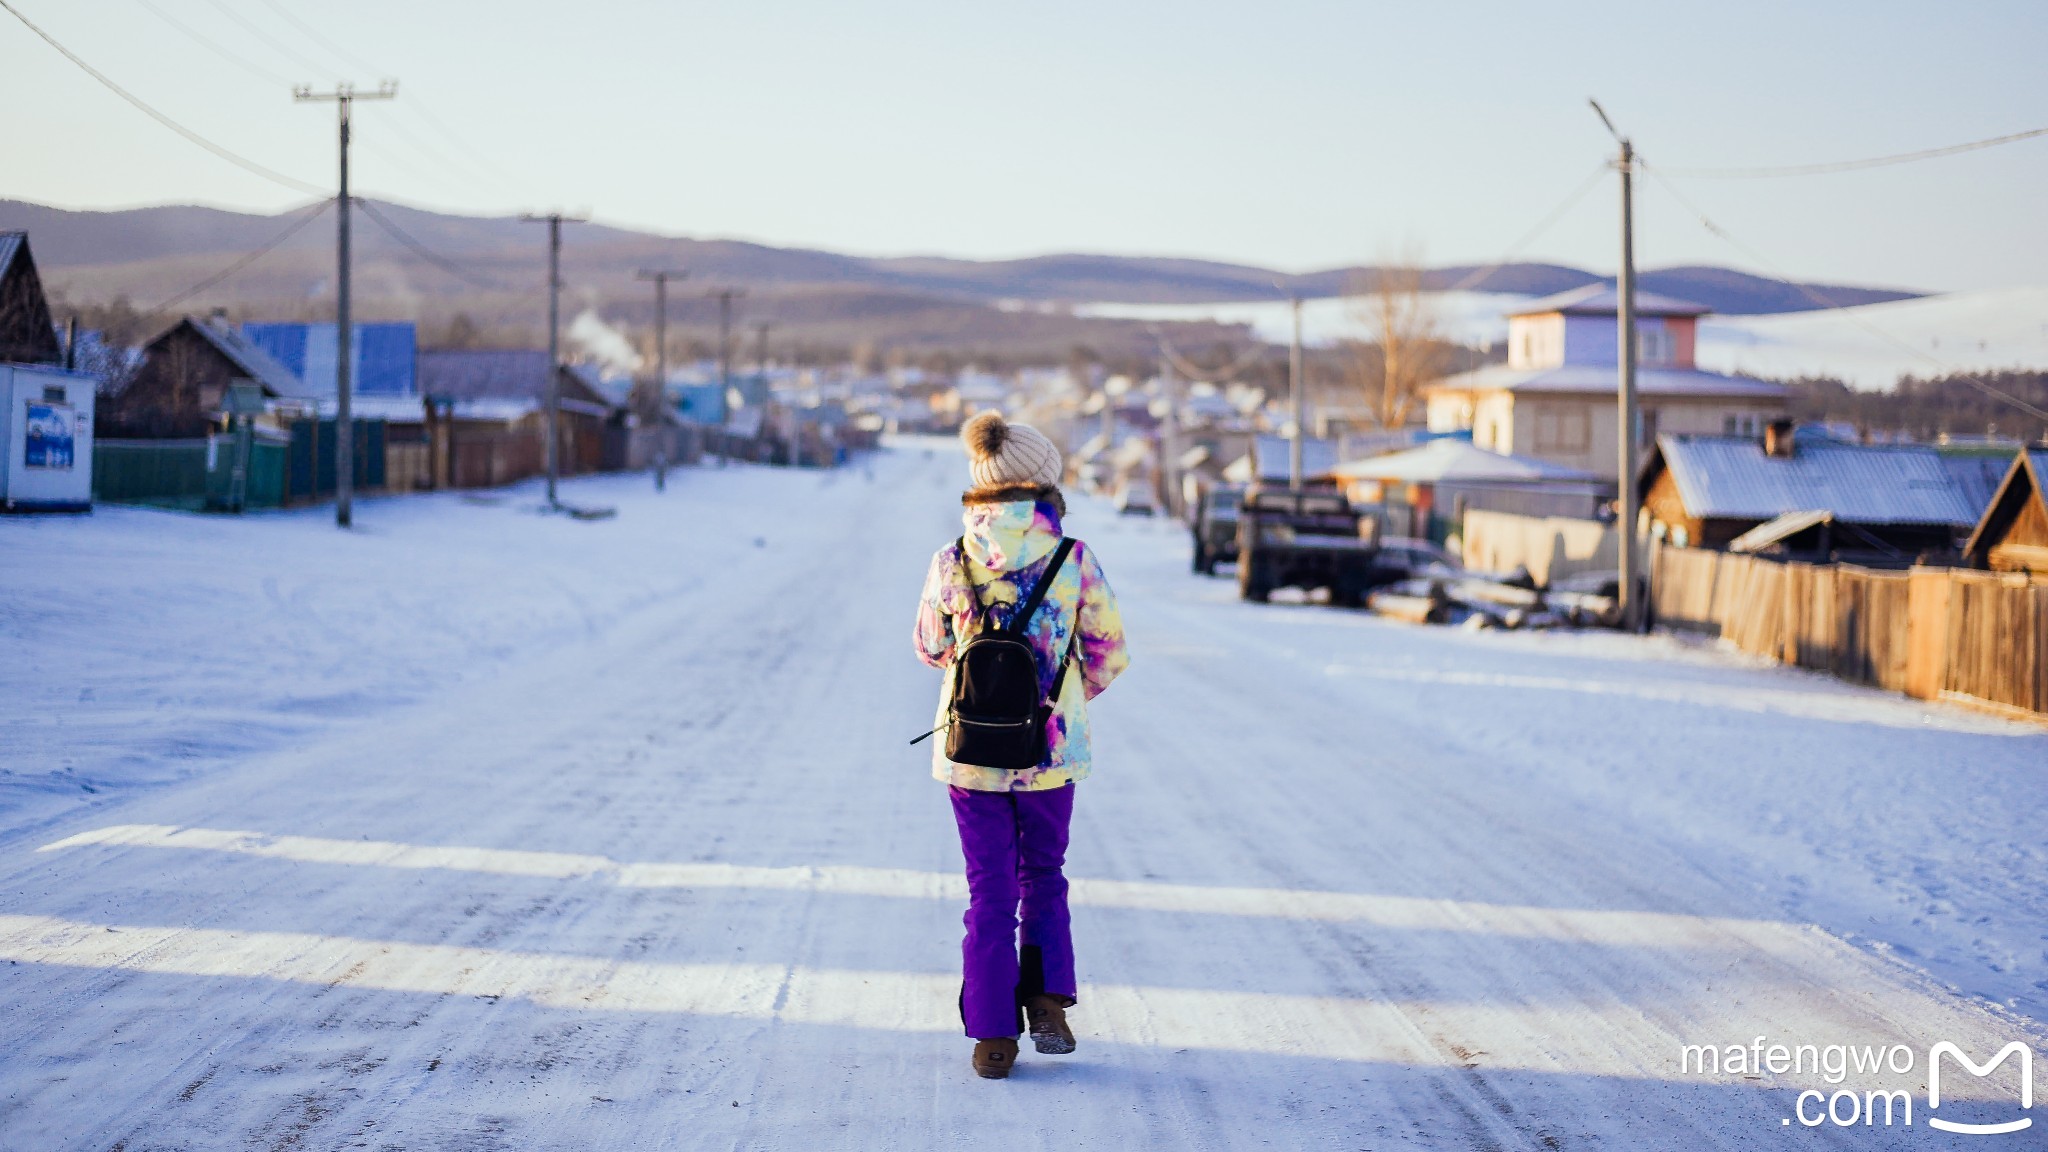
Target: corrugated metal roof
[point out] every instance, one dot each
(1977, 476)
(1605, 300)
(480, 373)
(260, 366)
(1449, 458)
(1730, 477)
(1600, 379)
(10, 244)
(502, 374)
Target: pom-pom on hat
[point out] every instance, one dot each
(1002, 455)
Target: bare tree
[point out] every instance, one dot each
(1408, 351)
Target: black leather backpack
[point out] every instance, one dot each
(996, 717)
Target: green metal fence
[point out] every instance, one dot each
(164, 473)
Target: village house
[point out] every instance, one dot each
(1555, 398)
(181, 388)
(485, 417)
(2013, 535)
(1804, 497)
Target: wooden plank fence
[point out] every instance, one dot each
(1978, 638)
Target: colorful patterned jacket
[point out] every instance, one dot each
(1008, 545)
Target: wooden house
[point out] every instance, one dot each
(184, 381)
(486, 422)
(2013, 535)
(1804, 497)
(28, 335)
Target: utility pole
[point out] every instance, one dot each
(554, 391)
(1625, 315)
(1169, 428)
(343, 98)
(725, 298)
(1294, 389)
(661, 277)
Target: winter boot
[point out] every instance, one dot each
(993, 1059)
(1049, 1031)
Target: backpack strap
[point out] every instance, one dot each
(1038, 591)
(1059, 679)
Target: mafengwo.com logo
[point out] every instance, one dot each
(1862, 1083)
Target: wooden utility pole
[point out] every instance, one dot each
(343, 98)
(725, 298)
(661, 277)
(554, 390)
(1294, 401)
(1631, 606)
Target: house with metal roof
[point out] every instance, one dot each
(2013, 534)
(186, 378)
(1450, 476)
(1555, 397)
(1804, 496)
(486, 422)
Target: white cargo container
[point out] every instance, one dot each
(46, 424)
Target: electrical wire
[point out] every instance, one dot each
(238, 161)
(1778, 274)
(242, 262)
(481, 161)
(421, 250)
(1531, 236)
(313, 34)
(1853, 165)
(278, 46)
(243, 62)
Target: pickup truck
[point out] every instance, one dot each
(1307, 539)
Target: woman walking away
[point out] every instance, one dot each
(1023, 623)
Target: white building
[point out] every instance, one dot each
(1555, 397)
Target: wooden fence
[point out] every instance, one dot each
(1937, 633)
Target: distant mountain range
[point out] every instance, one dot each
(490, 269)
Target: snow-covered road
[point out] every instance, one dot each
(484, 829)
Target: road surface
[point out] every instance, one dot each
(483, 829)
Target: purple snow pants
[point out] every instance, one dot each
(1015, 844)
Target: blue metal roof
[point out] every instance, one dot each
(1730, 477)
(382, 361)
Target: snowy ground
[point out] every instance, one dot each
(484, 829)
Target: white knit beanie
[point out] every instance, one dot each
(1001, 454)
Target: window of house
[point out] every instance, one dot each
(1653, 346)
(1562, 432)
(1728, 425)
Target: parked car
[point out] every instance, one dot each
(1214, 527)
(1134, 498)
(1311, 538)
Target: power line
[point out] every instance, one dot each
(243, 62)
(421, 250)
(349, 58)
(238, 161)
(484, 163)
(1530, 237)
(1835, 306)
(276, 45)
(243, 262)
(1853, 165)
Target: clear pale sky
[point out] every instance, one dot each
(1292, 134)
